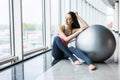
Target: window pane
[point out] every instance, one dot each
(32, 24)
(4, 29)
(7, 74)
(54, 17)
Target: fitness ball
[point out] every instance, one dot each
(97, 42)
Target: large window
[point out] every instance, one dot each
(4, 29)
(32, 24)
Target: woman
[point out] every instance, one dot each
(67, 32)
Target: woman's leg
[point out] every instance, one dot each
(80, 55)
(56, 52)
(64, 48)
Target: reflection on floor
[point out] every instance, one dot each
(28, 70)
(64, 70)
(39, 68)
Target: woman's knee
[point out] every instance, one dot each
(56, 38)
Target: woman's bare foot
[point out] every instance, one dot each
(92, 67)
(77, 62)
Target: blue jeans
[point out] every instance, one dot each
(80, 55)
(60, 51)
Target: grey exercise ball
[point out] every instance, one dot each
(97, 42)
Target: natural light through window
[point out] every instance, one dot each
(32, 24)
(4, 29)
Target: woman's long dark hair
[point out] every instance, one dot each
(75, 23)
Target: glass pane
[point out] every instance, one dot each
(32, 24)
(7, 74)
(4, 29)
(54, 17)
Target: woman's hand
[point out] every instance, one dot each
(84, 24)
(76, 13)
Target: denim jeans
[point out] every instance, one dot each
(80, 55)
(61, 51)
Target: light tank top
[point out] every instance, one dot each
(63, 41)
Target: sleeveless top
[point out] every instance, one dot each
(63, 41)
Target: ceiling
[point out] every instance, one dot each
(110, 3)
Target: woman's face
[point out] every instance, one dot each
(68, 19)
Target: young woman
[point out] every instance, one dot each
(67, 32)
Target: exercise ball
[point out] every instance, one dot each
(97, 42)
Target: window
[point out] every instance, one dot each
(54, 17)
(32, 24)
(4, 29)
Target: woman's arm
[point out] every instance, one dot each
(84, 24)
(68, 38)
